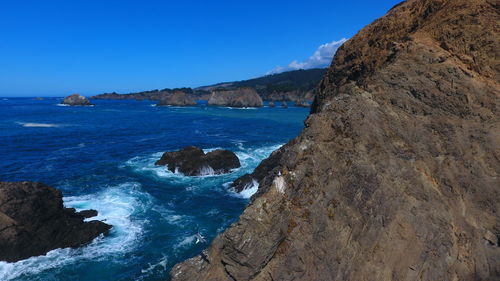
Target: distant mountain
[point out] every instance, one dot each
(292, 85)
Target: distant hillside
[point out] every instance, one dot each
(292, 85)
(288, 85)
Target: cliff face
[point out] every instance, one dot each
(241, 97)
(177, 98)
(395, 176)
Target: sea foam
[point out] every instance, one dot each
(116, 206)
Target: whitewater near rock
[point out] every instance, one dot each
(395, 176)
(33, 221)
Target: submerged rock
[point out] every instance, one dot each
(33, 221)
(396, 173)
(241, 97)
(192, 161)
(76, 99)
(177, 99)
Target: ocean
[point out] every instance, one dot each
(102, 158)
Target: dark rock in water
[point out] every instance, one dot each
(302, 103)
(258, 175)
(177, 99)
(284, 104)
(33, 221)
(76, 99)
(88, 213)
(241, 97)
(271, 104)
(192, 161)
(396, 174)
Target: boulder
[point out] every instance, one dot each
(34, 221)
(76, 99)
(241, 97)
(88, 213)
(192, 161)
(178, 98)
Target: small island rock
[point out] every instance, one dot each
(178, 98)
(241, 97)
(192, 161)
(76, 99)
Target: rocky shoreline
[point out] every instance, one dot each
(33, 221)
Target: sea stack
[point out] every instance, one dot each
(76, 100)
(241, 97)
(177, 98)
(192, 161)
(33, 221)
(396, 173)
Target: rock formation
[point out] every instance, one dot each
(271, 104)
(241, 97)
(284, 104)
(177, 99)
(76, 99)
(302, 103)
(396, 174)
(33, 221)
(192, 161)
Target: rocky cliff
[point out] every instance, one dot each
(177, 98)
(241, 97)
(34, 221)
(395, 176)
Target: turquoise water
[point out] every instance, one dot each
(102, 158)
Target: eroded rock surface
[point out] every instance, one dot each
(177, 99)
(76, 99)
(241, 97)
(192, 161)
(395, 176)
(33, 221)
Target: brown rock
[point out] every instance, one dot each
(396, 175)
(76, 99)
(178, 98)
(241, 97)
(33, 221)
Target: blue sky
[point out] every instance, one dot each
(54, 48)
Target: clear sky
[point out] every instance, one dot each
(54, 48)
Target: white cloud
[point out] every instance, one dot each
(322, 57)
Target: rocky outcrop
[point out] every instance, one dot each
(271, 104)
(302, 103)
(33, 221)
(76, 99)
(284, 104)
(396, 174)
(192, 161)
(177, 99)
(241, 97)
